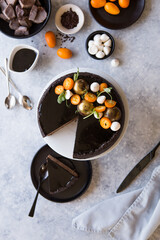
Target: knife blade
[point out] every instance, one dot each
(137, 169)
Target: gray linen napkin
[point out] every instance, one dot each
(130, 216)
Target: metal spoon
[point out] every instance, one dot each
(43, 174)
(10, 100)
(23, 100)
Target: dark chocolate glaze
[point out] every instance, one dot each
(91, 138)
(51, 114)
(59, 178)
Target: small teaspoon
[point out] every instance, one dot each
(23, 100)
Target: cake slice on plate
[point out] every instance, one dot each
(62, 174)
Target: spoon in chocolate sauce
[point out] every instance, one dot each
(23, 100)
(43, 174)
(10, 100)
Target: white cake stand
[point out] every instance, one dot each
(62, 141)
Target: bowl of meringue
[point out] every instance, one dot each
(100, 45)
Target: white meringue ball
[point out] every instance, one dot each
(104, 37)
(93, 49)
(100, 115)
(106, 50)
(108, 43)
(94, 87)
(115, 62)
(68, 94)
(97, 37)
(100, 54)
(115, 126)
(100, 47)
(101, 99)
(90, 43)
(98, 42)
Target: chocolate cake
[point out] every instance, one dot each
(91, 139)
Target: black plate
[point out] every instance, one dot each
(36, 28)
(84, 169)
(124, 19)
(91, 36)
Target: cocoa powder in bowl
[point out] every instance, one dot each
(69, 19)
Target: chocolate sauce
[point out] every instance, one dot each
(23, 60)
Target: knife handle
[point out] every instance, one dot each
(154, 150)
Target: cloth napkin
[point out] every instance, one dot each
(130, 216)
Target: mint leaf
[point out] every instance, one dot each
(96, 114)
(108, 90)
(61, 98)
(76, 75)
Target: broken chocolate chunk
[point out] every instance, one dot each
(20, 12)
(3, 5)
(14, 24)
(2, 16)
(41, 15)
(9, 12)
(33, 13)
(24, 21)
(27, 3)
(21, 31)
(12, 2)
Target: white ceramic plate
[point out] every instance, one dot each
(66, 8)
(62, 141)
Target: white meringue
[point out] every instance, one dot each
(101, 99)
(115, 62)
(94, 87)
(93, 49)
(100, 54)
(104, 37)
(108, 43)
(106, 50)
(115, 126)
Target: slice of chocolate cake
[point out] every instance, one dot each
(62, 175)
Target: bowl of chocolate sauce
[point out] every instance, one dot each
(23, 58)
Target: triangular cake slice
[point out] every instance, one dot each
(61, 175)
(51, 114)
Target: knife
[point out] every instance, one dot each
(137, 169)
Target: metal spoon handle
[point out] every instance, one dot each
(7, 75)
(13, 84)
(31, 213)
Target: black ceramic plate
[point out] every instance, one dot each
(84, 169)
(91, 36)
(36, 28)
(126, 17)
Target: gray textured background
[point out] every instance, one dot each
(138, 48)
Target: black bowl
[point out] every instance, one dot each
(36, 28)
(90, 37)
(125, 19)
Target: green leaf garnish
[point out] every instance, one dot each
(106, 90)
(61, 98)
(76, 75)
(68, 105)
(93, 112)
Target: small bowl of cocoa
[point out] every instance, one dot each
(69, 19)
